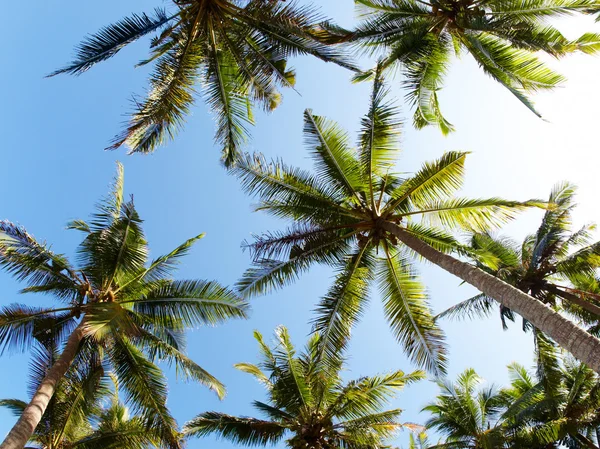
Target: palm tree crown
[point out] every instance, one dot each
(117, 308)
(556, 408)
(467, 414)
(559, 407)
(237, 48)
(309, 404)
(548, 265)
(420, 38)
(352, 208)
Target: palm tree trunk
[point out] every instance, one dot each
(567, 334)
(22, 431)
(586, 441)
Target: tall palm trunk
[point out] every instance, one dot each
(19, 435)
(567, 334)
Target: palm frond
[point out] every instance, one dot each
(193, 302)
(434, 181)
(344, 303)
(409, 315)
(516, 69)
(170, 96)
(276, 181)
(31, 261)
(159, 350)
(334, 160)
(246, 431)
(314, 247)
(16, 406)
(367, 395)
(146, 389)
(378, 138)
(479, 306)
(21, 325)
(471, 214)
(111, 39)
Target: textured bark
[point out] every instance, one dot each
(19, 435)
(564, 332)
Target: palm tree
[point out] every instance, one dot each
(308, 404)
(467, 414)
(555, 408)
(237, 48)
(353, 206)
(419, 37)
(76, 415)
(550, 265)
(559, 408)
(116, 309)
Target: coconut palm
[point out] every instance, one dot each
(308, 404)
(550, 265)
(467, 414)
(237, 49)
(77, 416)
(574, 407)
(116, 309)
(352, 206)
(420, 37)
(555, 408)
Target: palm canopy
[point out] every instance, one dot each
(238, 49)
(559, 407)
(556, 408)
(342, 213)
(78, 415)
(420, 37)
(129, 309)
(308, 404)
(555, 265)
(467, 414)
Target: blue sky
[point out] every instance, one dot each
(54, 169)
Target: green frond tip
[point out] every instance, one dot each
(113, 38)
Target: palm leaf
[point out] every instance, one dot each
(146, 388)
(159, 350)
(344, 303)
(407, 311)
(111, 39)
(246, 431)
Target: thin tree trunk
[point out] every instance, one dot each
(583, 439)
(567, 334)
(22, 431)
(592, 308)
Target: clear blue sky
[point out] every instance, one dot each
(54, 169)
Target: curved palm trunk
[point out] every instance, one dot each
(19, 435)
(567, 334)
